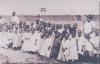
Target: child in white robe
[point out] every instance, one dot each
(60, 51)
(64, 49)
(48, 45)
(80, 45)
(43, 49)
(17, 42)
(6, 38)
(15, 18)
(26, 45)
(32, 41)
(10, 35)
(73, 49)
(80, 42)
(36, 38)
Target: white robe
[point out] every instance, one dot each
(1, 39)
(64, 55)
(26, 44)
(81, 43)
(15, 19)
(35, 41)
(46, 48)
(95, 41)
(88, 45)
(6, 38)
(73, 49)
(17, 40)
(88, 27)
(10, 37)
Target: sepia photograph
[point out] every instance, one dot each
(49, 31)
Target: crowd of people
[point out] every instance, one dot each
(62, 42)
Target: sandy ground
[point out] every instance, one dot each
(8, 56)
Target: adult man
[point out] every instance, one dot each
(88, 30)
(95, 41)
(15, 19)
(88, 27)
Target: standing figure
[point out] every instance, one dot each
(56, 46)
(73, 49)
(17, 42)
(65, 48)
(80, 44)
(15, 19)
(48, 45)
(36, 41)
(88, 27)
(26, 38)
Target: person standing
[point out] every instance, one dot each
(15, 19)
(88, 27)
(80, 44)
(73, 48)
(26, 38)
(65, 48)
(56, 46)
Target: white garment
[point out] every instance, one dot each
(88, 45)
(60, 51)
(81, 43)
(10, 37)
(1, 39)
(42, 46)
(26, 44)
(33, 46)
(61, 30)
(73, 49)
(6, 38)
(95, 41)
(46, 49)
(36, 41)
(17, 40)
(88, 26)
(64, 55)
(15, 19)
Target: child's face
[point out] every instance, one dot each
(79, 32)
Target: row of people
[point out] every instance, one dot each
(62, 42)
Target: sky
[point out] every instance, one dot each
(53, 7)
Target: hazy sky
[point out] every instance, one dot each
(30, 7)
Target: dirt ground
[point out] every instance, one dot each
(8, 56)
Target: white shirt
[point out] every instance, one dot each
(88, 26)
(15, 19)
